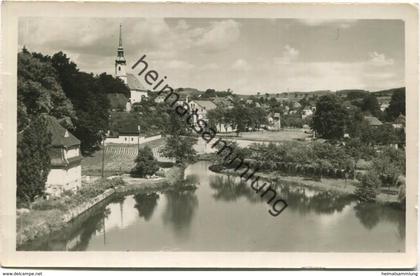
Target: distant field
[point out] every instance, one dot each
(119, 158)
(275, 136)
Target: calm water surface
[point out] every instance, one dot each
(223, 215)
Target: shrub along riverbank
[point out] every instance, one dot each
(327, 166)
(341, 186)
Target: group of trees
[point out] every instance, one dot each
(387, 168)
(332, 119)
(88, 94)
(54, 86)
(315, 159)
(240, 117)
(178, 144)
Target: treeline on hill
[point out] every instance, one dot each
(54, 86)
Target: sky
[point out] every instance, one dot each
(245, 55)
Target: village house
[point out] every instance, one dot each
(223, 102)
(277, 121)
(373, 121)
(202, 107)
(296, 105)
(399, 122)
(66, 170)
(126, 134)
(308, 111)
(249, 102)
(130, 134)
(160, 98)
(384, 106)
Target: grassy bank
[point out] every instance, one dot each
(119, 159)
(49, 215)
(53, 214)
(341, 186)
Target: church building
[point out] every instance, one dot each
(137, 90)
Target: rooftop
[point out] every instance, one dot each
(208, 105)
(133, 83)
(60, 137)
(373, 121)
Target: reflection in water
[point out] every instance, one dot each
(179, 212)
(299, 198)
(93, 225)
(74, 238)
(228, 188)
(146, 204)
(368, 214)
(304, 200)
(371, 214)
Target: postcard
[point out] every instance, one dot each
(196, 135)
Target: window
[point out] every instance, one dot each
(119, 68)
(131, 139)
(125, 139)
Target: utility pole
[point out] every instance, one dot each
(138, 139)
(103, 154)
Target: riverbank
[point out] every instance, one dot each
(48, 216)
(341, 186)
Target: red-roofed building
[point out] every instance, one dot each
(66, 169)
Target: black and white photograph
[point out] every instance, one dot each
(213, 133)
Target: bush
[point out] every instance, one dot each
(146, 164)
(49, 204)
(175, 174)
(93, 189)
(367, 188)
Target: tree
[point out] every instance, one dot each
(111, 85)
(177, 145)
(389, 165)
(39, 94)
(210, 93)
(396, 105)
(88, 96)
(180, 148)
(356, 123)
(33, 162)
(146, 164)
(39, 90)
(238, 117)
(217, 117)
(366, 190)
(330, 118)
(381, 135)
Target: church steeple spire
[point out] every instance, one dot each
(120, 45)
(120, 62)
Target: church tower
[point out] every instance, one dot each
(120, 63)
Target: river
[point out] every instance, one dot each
(224, 215)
